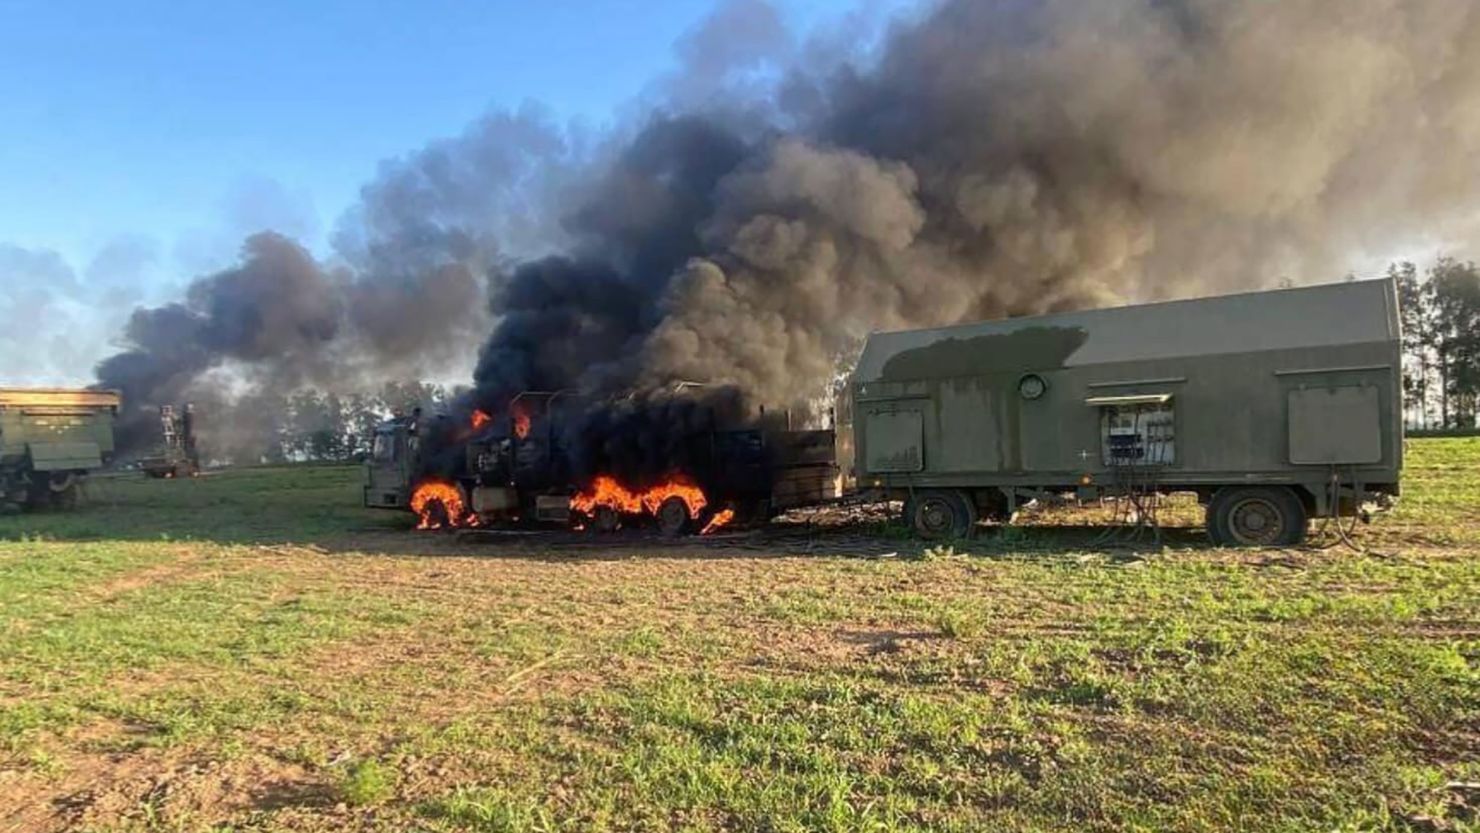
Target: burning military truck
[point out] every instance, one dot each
(1274, 408)
(50, 439)
(550, 459)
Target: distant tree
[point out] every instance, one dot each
(404, 397)
(256, 429)
(1454, 289)
(362, 412)
(310, 431)
(312, 424)
(1418, 338)
(1440, 315)
(329, 441)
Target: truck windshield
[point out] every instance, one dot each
(385, 448)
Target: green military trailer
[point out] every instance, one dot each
(1273, 407)
(49, 440)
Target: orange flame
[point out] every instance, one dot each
(430, 496)
(480, 419)
(719, 520)
(606, 491)
(520, 419)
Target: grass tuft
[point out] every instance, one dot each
(366, 783)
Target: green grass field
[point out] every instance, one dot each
(252, 651)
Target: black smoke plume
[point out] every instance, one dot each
(783, 196)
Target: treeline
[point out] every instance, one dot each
(312, 425)
(1440, 311)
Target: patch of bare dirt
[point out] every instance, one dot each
(184, 565)
(165, 788)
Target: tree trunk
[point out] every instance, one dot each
(1443, 390)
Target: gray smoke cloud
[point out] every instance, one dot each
(404, 295)
(779, 197)
(1008, 158)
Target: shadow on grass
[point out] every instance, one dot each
(320, 507)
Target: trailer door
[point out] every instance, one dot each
(894, 440)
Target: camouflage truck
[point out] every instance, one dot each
(50, 439)
(1273, 407)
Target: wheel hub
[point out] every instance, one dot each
(1256, 522)
(936, 515)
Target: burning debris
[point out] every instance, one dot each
(721, 519)
(521, 422)
(674, 503)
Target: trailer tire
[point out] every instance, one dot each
(1262, 516)
(938, 514)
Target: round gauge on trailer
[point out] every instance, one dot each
(1032, 386)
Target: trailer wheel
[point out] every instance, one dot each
(940, 513)
(673, 517)
(1256, 517)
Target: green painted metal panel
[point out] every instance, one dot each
(969, 427)
(65, 456)
(1335, 425)
(895, 440)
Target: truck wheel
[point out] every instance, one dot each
(606, 519)
(1268, 516)
(673, 517)
(940, 513)
(38, 496)
(64, 494)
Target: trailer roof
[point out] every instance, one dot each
(59, 398)
(1352, 312)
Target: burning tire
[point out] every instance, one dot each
(673, 517)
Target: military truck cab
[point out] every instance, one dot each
(392, 464)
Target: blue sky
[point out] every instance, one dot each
(170, 119)
(142, 140)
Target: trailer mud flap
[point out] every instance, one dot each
(65, 456)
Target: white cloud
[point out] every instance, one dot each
(54, 324)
